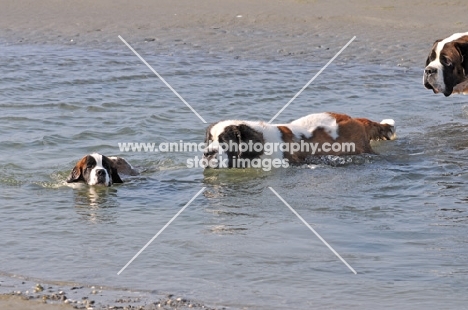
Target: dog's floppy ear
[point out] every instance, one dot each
(123, 166)
(462, 47)
(242, 133)
(76, 174)
(248, 134)
(231, 133)
(114, 175)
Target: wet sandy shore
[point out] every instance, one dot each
(20, 303)
(22, 293)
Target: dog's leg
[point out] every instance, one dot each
(385, 130)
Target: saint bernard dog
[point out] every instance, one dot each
(320, 131)
(97, 169)
(447, 66)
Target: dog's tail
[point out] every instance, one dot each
(385, 130)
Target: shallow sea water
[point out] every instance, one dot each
(399, 218)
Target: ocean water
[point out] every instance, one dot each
(398, 218)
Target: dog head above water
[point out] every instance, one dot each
(447, 64)
(95, 169)
(222, 136)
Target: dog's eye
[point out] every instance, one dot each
(446, 61)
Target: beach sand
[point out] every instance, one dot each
(396, 32)
(19, 303)
(401, 31)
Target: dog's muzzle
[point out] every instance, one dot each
(430, 79)
(210, 159)
(101, 177)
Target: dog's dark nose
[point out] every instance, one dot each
(430, 70)
(100, 172)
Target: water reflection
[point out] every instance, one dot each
(95, 203)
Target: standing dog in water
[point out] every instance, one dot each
(235, 143)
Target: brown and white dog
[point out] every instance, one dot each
(97, 169)
(320, 131)
(447, 65)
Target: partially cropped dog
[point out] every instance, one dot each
(97, 169)
(447, 65)
(233, 142)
